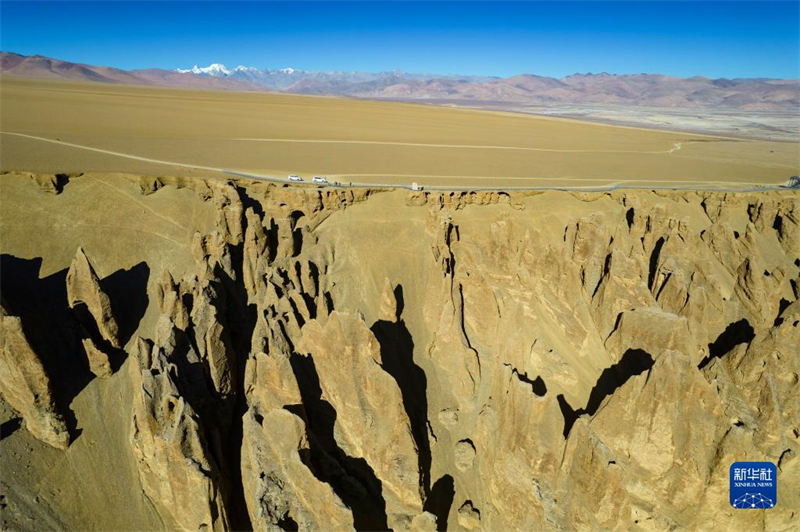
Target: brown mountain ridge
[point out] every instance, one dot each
(602, 89)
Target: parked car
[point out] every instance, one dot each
(294, 177)
(319, 179)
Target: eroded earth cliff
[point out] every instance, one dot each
(208, 354)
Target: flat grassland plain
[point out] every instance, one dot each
(69, 127)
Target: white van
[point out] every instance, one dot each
(295, 177)
(319, 179)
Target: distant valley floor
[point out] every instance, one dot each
(740, 123)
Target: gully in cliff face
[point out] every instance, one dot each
(352, 479)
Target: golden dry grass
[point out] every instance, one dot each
(358, 141)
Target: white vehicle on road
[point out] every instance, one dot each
(295, 177)
(319, 179)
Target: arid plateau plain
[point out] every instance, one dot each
(57, 126)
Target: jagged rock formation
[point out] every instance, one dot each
(92, 308)
(177, 473)
(83, 289)
(26, 386)
(339, 359)
(87, 329)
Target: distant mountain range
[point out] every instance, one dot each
(310, 82)
(523, 89)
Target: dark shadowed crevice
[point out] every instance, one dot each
(777, 224)
(570, 415)
(238, 319)
(328, 302)
(537, 385)
(62, 180)
(397, 358)
(287, 523)
(785, 454)
(704, 205)
(606, 270)
(297, 232)
(663, 285)
(450, 260)
(194, 383)
(249, 202)
(306, 292)
(633, 362)
(629, 217)
(734, 334)
(782, 306)
(617, 321)
(468, 509)
(400, 301)
(462, 322)
(297, 242)
(127, 292)
(87, 328)
(284, 276)
(352, 479)
(651, 277)
(7, 428)
(294, 217)
(301, 321)
(271, 233)
(313, 273)
(440, 500)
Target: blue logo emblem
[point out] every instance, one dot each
(754, 485)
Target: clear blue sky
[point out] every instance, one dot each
(711, 38)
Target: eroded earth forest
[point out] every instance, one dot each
(211, 354)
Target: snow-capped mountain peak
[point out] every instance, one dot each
(217, 70)
(276, 79)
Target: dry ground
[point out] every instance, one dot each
(142, 130)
